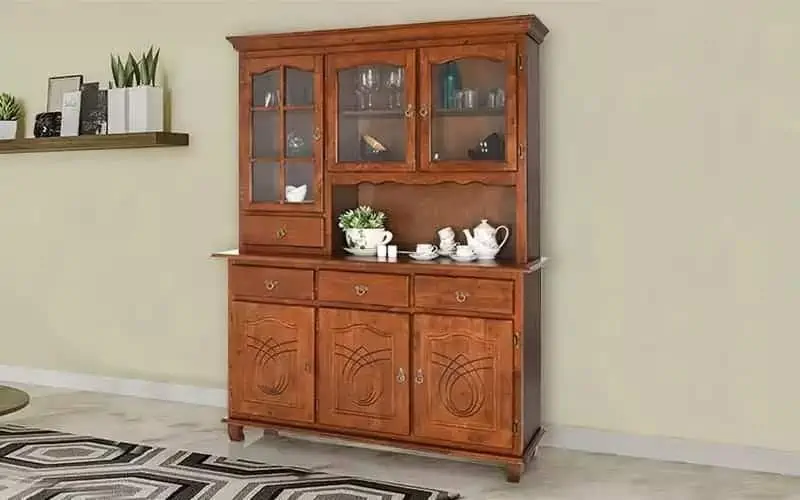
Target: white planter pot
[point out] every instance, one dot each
(8, 130)
(367, 238)
(117, 111)
(145, 109)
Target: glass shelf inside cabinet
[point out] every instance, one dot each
(468, 116)
(372, 104)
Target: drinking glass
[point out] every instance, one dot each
(394, 82)
(368, 82)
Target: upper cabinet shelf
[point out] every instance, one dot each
(94, 142)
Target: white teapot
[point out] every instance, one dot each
(483, 239)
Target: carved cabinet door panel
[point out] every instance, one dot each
(463, 380)
(272, 361)
(363, 370)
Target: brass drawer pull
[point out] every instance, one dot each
(401, 376)
(461, 297)
(270, 284)
(317, 135)
(281, 233)
(409, 111)
(423, 111)
(361, 290)
(420, 377)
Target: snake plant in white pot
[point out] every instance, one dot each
(10, 114)
(118, 89)
(145, 99)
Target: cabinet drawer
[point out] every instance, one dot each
(491, 296)
(363, 288)
(284, 231)
(274, 282)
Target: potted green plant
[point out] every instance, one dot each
(145, 98)
(10, 113)
(364, 228)
(122, 74)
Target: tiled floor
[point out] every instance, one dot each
(556, 475)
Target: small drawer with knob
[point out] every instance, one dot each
(389, 290)
(282, 231)
(271, 282)
(464, 294)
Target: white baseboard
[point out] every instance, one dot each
(572, 438)
(120, 386)
(673, 449)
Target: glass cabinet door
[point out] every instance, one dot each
(468, 108)
(282, 157)
(371, 113)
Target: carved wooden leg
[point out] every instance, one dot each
(514, 472)
(236, 432)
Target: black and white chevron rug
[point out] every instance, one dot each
(38, 464)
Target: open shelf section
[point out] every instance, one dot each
(94, 142)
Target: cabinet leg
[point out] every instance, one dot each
(514, 472)
(236, 432)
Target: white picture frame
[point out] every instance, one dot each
(57, 86)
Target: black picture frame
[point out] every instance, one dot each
(57, 86)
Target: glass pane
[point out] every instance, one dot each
(371, 120)
(300, 182)
(266, 182)
(468, 116)
(265, 88)
(299, 87)
(266, 134)
(299, 134)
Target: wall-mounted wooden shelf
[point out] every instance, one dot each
(89, 142)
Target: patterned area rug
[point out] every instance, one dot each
(37, 464)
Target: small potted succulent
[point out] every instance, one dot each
(364, 228)
(10, 114)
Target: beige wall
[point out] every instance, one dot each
(671, 132)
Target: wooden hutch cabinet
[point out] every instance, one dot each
(436, 124)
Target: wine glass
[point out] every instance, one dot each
(368, 82)
(394, 82)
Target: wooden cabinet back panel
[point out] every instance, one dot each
(282, 230)
(363, 288)
(271, 282)
(489, 296)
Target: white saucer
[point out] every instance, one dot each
(461, 258)
(362, 252)
(427, 256)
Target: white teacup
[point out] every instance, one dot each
(447, 246)
(426, 249)
(464, 251)
(447, 233)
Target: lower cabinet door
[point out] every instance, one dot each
(272, 361)
(463, 380)
(363, 364)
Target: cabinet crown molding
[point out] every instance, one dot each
(529, 25)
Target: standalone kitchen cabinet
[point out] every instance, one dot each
(437, 124)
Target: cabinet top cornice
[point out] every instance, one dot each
(512, 25)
